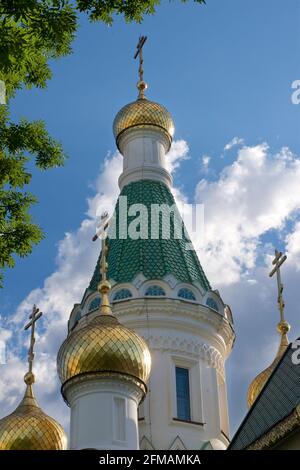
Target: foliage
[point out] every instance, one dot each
(132, 10)
(32, 33)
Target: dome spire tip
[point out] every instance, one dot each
(141, 85)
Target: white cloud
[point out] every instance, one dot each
(293, 246)
(75, 262)
(256, 194)
(234, 142)
(178, 152)
(205, 160)
(76, 259)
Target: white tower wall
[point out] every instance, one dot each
(144, 153)
(104, 414)
(179, 333)
(189, 336)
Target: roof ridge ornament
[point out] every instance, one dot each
(141, 85)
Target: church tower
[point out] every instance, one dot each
(160, 291)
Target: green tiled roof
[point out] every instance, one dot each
(153, 258)
(279, 397)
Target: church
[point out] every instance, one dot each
(143, 364)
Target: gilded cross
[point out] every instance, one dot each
(277, 262)
(104, 286)
(34, 316)
(103, 262)
(139, 52)
(102, 233)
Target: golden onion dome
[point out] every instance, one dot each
(29, 428)
(259, 382)
(143, 113)
(104, 347)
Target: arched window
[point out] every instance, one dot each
(186, 294)
(94, 304)
(212, 304)
(122, 294)
(155, 291)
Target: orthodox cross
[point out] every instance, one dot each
(278, 261)
(104, 247)
(104, 286)
(34, 316)
(102, 233)
(139, 52)
(141, 85)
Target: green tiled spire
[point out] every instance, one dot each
(153, 258)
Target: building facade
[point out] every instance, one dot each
(160, 291)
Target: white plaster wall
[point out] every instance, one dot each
(144, 153)
(196, 343)
(94, 415)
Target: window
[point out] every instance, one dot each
(183, 394)
(186, 294)
(141, 411)
(212, 304)
(122, 294)
(155, 291)
(119, 419)
(94, 304)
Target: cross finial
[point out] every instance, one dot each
(34, 316)
(104, 247)
(104, 286)
(141, 85)
(279, 259)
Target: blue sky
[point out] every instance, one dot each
(222, 70)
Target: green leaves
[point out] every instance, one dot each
(18, 233)
(32, 31)
(132, 10)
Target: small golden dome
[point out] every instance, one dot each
(104, 346)
(259, 382)
(143, 113)
(29, 428)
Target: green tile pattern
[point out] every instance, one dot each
(279, 397)
(153, 258)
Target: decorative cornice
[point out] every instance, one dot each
(179, 345)
(157, 133)
(146, 172)
(278, 432)
(89, 381)
(187, 316)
